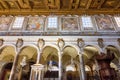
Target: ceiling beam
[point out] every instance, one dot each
(57, 4)
(60, 12)
(1, 7)
(4, 4)
(101, 3)
(46, 4)
(70, 5)
(52, 4)
(118, 5)
(24, 3)
(17, 5)
(74, 4)
(88, 4)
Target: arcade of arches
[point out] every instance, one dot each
(59, 39)
(59, 58)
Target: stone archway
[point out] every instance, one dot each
(90, 51)
(50, 59)
(70, 64)
(6, 69)
(26, 57)
(7, 54)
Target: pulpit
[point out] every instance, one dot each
(104, 60)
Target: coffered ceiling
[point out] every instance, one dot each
(46, 7)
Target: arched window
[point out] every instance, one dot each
(117, 19)
(87, 23)
(52, 23)
(18, 22)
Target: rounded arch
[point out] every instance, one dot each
(5, 69)
(52, 45)
(7, 53)
(49, 53)
(95, 46)
(28, 51)
(91, 50)
(113, 48)
(8, 45)
(32, 45)
(72, 45)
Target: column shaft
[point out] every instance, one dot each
(60, 66)
(13, 68)
(82, 67)
(38, 57)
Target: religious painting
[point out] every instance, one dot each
(87, 23)
(52, 23)
(69, 24)
(35, 24)
(104, 22)
(5, 23)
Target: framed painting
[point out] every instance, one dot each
(35, 23)
(5, 22)
(104, 23)
(69, 24)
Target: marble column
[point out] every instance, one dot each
(60, 65)
(82, 67)
(36, 69)
(36, 72)
(14, 65)
(38, 57)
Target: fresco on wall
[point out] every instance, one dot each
(104, 22)
(35, 24)
(5, 23)
(69, 24)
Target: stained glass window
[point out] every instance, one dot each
(52, 22)
(117, 19)
(18, 23)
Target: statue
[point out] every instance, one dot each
(104, 60)
(23, 62)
